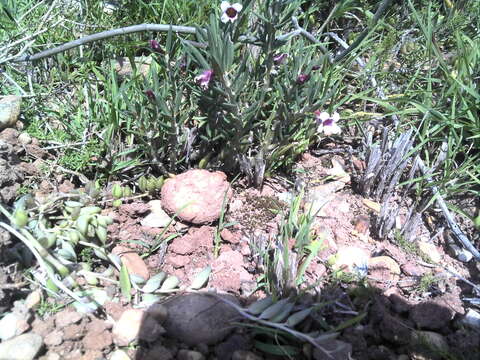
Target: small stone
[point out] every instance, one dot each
(383, 270)
(73, 332)
(349, 259)
(33, 299)
(230, 237)
(232, 344)
(24, 138)
(54, 338)
(196, 196)
(67, 317)
(429, 250)
(97, 341)
(92, 355)
(9, 110)
(245, 355)
(158, 352)
(13, 324)
(158, 218)
(189, 355)
(472, 319)
(133, 262)
(50, 356)
(23, 347)
(119, 355)
(372, 205)
(410, 269)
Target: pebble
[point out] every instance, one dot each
(245, 355)
(11, 325)
(189, 355)
(135, 324)
(33, 299)
(119, 355)
(23, 347)
(134, 263)
(24, 138)
(429, 250)
(158, 218)
(472, 319)
(350, 259)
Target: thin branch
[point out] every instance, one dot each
(105, 35)
(382, 8)
(448, 216)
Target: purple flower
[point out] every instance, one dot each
(303, 78)
(204, 79)
(230, 11)
(327, 123)
(155, 46)
(150, 94)
(280, 58)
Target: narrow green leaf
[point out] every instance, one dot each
(125, 284)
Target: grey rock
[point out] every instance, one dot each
(9, 110)
(472, 319)
(245, 355)
(23, 347)
(198, 318)
(13, 324)
(189, 355)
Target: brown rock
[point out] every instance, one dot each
(178, 261)
(132, 261)
(228, 271)
(97, 341)
(196, 196)
(73, 332)
(67, 317)
(114, 309)
(228, 236)
(411, 269)
(54, 338)
(431, 315)
(383, 270)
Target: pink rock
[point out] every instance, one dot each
(132, 261)
(196, 196)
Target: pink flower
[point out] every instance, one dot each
(280, 58)
(204, 79)
(155, 46)
(150, 94)
(230, 11)
(302, 78)
(328, 123)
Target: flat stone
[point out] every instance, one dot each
(13, 324)
(33, 299)
(23, 347)
(196, 196)
(199, 319)
(133, 261)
